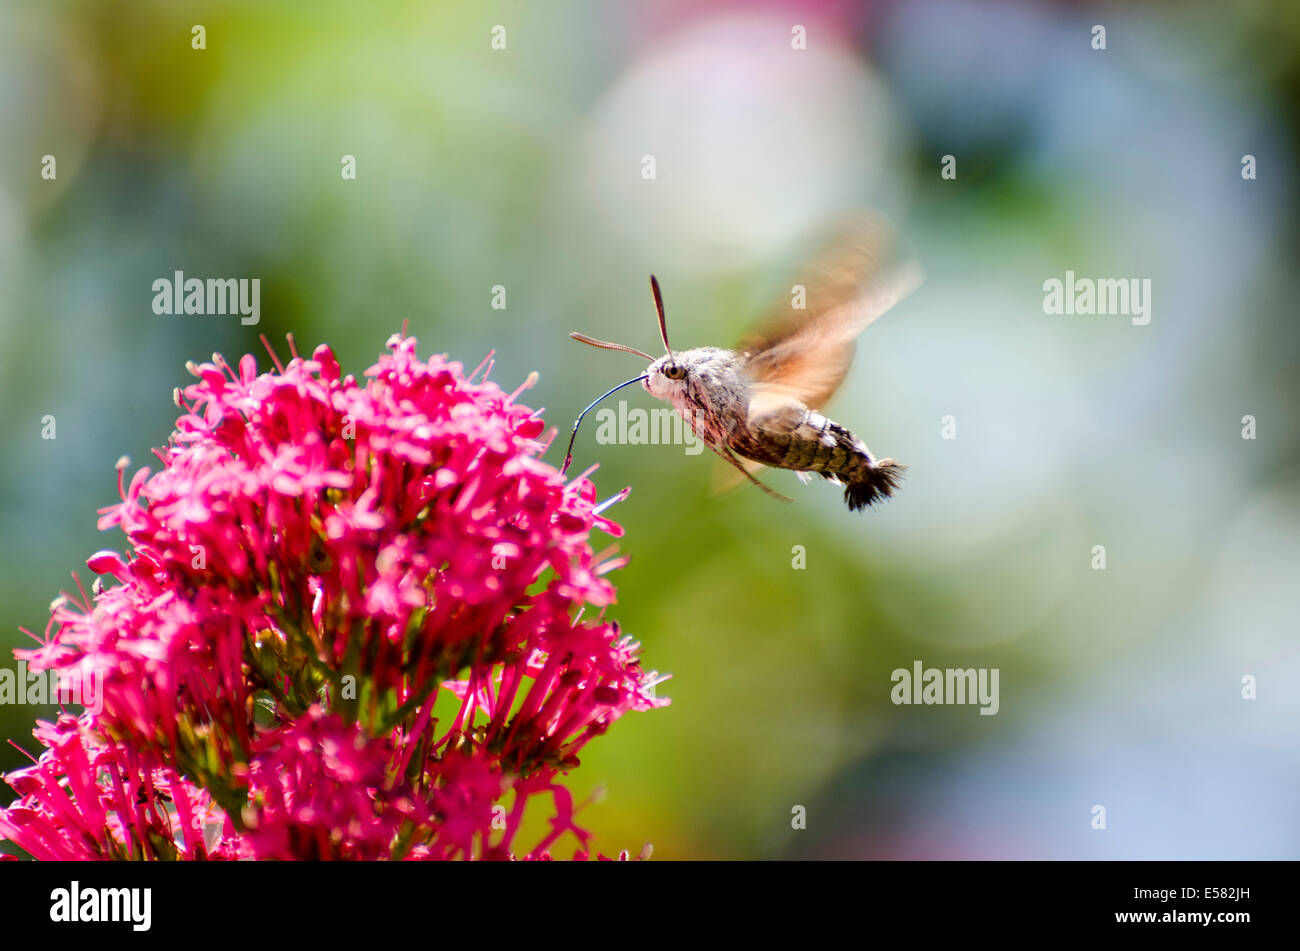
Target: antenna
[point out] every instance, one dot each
(663, 323)
(606, 345)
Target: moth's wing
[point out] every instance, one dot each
(860, 271)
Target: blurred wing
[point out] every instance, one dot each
(860, 272)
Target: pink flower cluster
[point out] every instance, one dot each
(349, 625)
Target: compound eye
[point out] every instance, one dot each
(674, 372)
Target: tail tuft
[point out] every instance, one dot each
(875, 483)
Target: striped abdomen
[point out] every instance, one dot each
(806, 441)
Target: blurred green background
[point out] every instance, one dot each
(523, 167)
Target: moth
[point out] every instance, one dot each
(760, 403)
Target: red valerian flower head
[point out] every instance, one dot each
(317, 564)
(87, 798)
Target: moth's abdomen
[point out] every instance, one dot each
(842, 457)
(872, 484)
(816, 444)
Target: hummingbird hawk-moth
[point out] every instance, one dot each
(760, 403)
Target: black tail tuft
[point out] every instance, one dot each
(875, 483)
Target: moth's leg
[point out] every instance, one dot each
(725, 475)
(727, 454)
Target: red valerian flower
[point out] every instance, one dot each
(89, 798)
(317, 564)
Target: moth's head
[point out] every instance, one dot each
(674, 373)
(667, 376)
